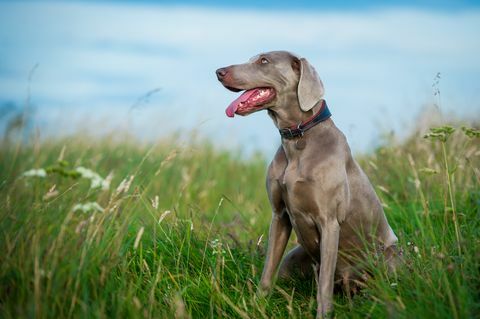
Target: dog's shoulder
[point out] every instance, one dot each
(278, 164)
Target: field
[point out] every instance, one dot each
(175, 230)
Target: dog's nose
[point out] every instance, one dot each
(221, 73)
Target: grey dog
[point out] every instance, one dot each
(314, 185)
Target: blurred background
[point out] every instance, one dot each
(146, 68)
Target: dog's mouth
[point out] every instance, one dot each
(250, 101)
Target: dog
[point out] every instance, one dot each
(314, 185)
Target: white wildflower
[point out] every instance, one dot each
(217, 247)
(88, 207)
(215, 243)
(86, 172)
(96, 181)
(35, 173)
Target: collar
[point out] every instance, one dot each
(300, 129)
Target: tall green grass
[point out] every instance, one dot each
(181, 232)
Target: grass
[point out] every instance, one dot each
(181, 232)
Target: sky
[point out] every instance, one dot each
(148, 67)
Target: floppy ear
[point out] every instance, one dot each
(310, 88)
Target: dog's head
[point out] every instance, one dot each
(275, 79)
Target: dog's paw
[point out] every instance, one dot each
(263, 290)
(325, 312)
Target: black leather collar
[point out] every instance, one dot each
(300, 129)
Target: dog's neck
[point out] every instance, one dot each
(292, 115)
(319, 134)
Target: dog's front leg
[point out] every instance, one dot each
(328, 260)
(280, 230)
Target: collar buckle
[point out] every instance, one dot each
(300, 130)
(290, 133)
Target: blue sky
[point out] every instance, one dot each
(319, 5)
(96, 59)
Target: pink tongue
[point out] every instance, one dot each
(232, 108)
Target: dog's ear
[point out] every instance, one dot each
(310, 88)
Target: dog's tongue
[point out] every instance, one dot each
(232, 108)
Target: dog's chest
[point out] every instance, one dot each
(302, 209)
(298, 190)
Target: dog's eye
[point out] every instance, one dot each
(264, 61)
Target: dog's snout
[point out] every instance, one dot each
(221, 73)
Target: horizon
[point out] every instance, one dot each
(149, 67)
